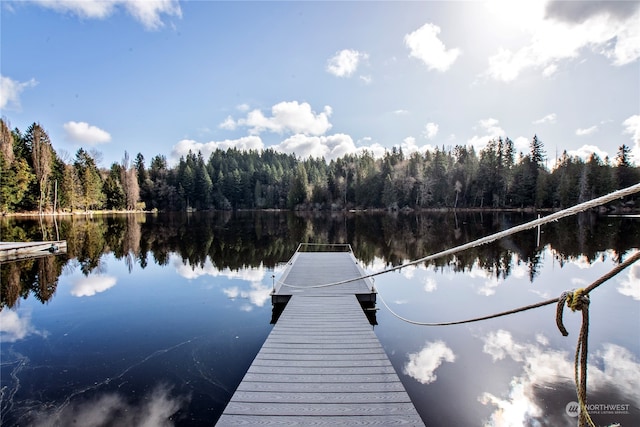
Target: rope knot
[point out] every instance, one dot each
(577, 299)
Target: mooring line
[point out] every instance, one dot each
(617, 269)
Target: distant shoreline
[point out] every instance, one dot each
(529, 210)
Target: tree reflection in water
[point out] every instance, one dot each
(250, 239)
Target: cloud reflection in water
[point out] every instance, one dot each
(91, 285)
(630, 285)
(15, 327)
(612, 371)
(155, 409)
(257, 294)
(423, 364)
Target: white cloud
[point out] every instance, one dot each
(330, 147)
(14, 327)
(156, 409)
(430, 284)
(257, 294)
(208, 269)
(401, 112)
(425, 45)
(228, 124)
(554, 37)
(85, 133)
(430, 130)
(613, 370)
(630, 286)
(232, 292)
(291, 117)
(303, 146)
(586, 131)
(243, 107)
(632, 127)
(521, 144)
(489, 287)
(366, 79)
(10, 91)
(409, 146)
(549, 118)
(375, 149)
(422, 365)
(148, 13)
(585, 152)
(183, 147)
(91, 285)
(550, 70)
(345, 62)
(491, 130)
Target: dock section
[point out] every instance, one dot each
(14, 251)
(322, 364)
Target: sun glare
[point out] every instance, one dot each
(525, 15)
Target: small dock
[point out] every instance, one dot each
(322, 364)
(14, 251)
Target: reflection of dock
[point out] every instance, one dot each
(322, 364)
(13, 251)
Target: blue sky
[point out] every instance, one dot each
(321, 78)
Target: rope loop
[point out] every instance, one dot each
(559, 312)
(578, 300)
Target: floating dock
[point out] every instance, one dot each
(322, 364)
(14, 251)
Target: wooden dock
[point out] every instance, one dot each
(322, 364)
(14, 251)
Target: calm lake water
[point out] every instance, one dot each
(154, 319)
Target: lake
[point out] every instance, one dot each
(154, 319)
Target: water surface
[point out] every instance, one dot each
(156, 318)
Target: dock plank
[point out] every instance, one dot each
(260, 420)
(322, 363)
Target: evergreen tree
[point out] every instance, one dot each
(298, 188)
(91, 196)
(625, 174)
(114, 193)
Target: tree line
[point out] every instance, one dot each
(35, 178)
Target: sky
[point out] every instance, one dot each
(321, 78)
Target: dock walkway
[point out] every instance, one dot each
(322, 364)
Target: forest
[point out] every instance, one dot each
(34, 178)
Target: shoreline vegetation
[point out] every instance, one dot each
(36, 179)
(605, 209)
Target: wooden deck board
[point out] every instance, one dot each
(385, 420)
(312, 397)
(322, 364)
(324, 409)
(327, 389)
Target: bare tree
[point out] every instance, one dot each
(129, 181)
(42, 155)
(6, 143)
